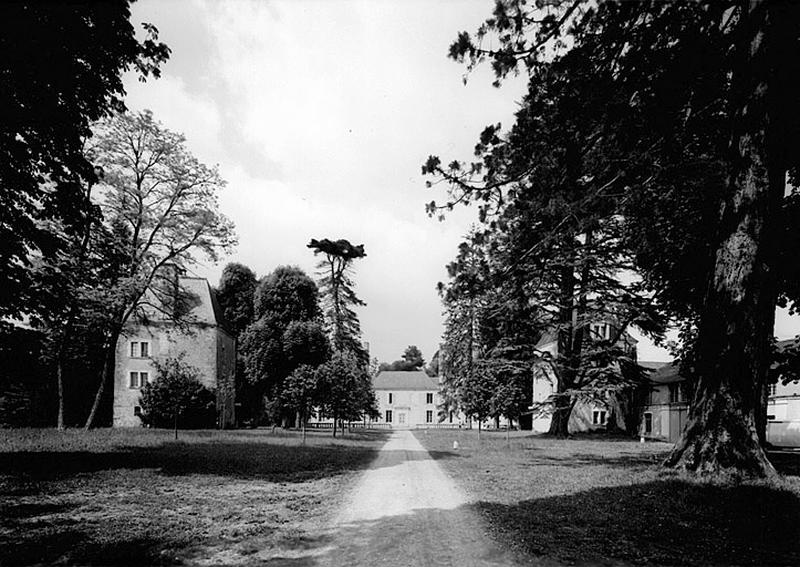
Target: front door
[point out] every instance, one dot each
(401, 418)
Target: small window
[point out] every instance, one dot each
(140, 349)
(773, 389)
(648, 423)
(134, 381)
(389, 415)
(390, 397)
(144, 378)
(137, 411)
(429, 398)
(675, 393)
(599, 417)
(429, 416)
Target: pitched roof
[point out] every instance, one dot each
(203, 310)
(653, 364)
(404, 380)
(667, 374)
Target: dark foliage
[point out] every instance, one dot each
(177, 398)
(62, 66)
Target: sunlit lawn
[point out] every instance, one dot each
(593, 500)
(139, 497)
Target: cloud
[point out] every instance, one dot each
(320, 115)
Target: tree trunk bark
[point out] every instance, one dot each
(738, 316)
(335, 420)
(104, 377)
(559, 422)
(60, 381)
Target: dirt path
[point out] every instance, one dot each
(406, 511)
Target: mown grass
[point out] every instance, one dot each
(139, 497)
(593, 500)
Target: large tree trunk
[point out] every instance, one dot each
(738, 317)
(60, 381)
(559, 423)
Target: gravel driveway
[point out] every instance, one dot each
(406, 511)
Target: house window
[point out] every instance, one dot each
(137, 411)
(599, 331)
(389, 415)
(429, 398)
(675, 393)
(429, 416)
(648, 423)
(599, 417)
(451, 417)
(390, 397)
(138, 379)
(140, 349)
(773, 389)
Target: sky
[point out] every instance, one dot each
(320, 115)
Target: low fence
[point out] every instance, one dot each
(437, 426)
(362, 425)
(350, 425)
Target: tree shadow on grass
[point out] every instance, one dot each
(75, 547)
(260, 461)
(786, 462)
(661, 522)
(277, 463)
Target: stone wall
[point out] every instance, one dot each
(198, 345)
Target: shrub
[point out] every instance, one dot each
(177, 399)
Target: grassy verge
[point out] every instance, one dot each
(138, 497)
(595, 500)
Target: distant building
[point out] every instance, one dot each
(585, 416)
(666, 405)
(407, 399)
(666, 410)
(201, 338)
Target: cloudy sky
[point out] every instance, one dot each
(320, 115)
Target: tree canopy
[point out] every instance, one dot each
(62, 67)
(235, 294)
(682, 140)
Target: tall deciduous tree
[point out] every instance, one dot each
(338, 293)
(345, 389)
(166, 202)
(287, 334)
(62, 66)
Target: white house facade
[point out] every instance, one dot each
(406, 399)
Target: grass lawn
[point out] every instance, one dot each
(595, 500)
(139, 497)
